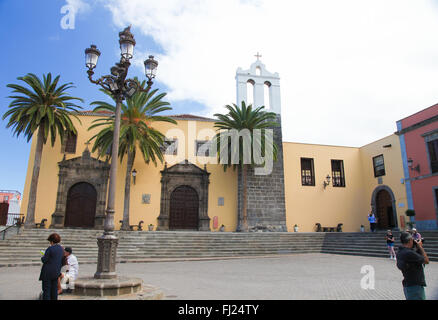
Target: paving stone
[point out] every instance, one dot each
(303, 276)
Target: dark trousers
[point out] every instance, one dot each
(50, 289)
(414, 293)
(373, 226)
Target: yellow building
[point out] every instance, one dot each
(350, 197)
(309, 184)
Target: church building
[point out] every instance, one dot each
(309, 184)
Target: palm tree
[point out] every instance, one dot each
(44, 107)
(244, 119)
(136, 132)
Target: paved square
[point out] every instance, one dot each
(302, 276)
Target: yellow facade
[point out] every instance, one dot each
(390, 148)
(222, 184)
(308, 205)
(305, 205)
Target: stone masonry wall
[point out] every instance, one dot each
(266, 196)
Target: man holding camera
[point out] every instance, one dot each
(410, 260)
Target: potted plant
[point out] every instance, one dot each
(151, 227)
(410, 213)
(295, 228)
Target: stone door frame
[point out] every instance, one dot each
(76, 170)
(188, 174)
(393, 201)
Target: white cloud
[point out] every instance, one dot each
(349, 69)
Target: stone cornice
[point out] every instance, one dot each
(417, 125)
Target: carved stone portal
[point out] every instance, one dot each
(78, 170)
(184, 174)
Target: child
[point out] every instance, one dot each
(390, 244)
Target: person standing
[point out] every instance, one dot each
(373, 221)
(411, 259)
(415, 234)
(51, 269)
(390, 244)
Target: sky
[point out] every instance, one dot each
(349, 69)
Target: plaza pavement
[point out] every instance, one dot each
(301, 276)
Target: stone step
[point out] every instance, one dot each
(368, 253)
(137, 246)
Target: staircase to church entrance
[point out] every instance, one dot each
(142, 246)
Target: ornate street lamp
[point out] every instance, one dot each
(120, 88)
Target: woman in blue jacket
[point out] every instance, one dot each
(51, 269)
(373, 222)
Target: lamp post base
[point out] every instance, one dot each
(106, 260)
(93, 287)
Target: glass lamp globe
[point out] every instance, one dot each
(150, 66)
(91, 56)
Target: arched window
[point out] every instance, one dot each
(267, 95)
(250, 92)
(258, 71)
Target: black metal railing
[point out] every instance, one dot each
(14, 218)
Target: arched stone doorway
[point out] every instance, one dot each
(184, 209)
(384, 207)
(80, 210)
(182, 186)
(72, 172)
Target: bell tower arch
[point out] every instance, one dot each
(260, 78)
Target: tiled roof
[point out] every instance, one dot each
(190, 117)
(175, 116)
(94, 113)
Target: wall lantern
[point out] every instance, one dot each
(134, 174)
(411, 165)
(327, 181)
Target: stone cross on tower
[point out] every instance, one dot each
(258, 55)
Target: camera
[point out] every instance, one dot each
(420, 240)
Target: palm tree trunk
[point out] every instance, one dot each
(30, 215)
(244, 205)
(125, 222)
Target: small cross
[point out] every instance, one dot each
(87, 143)
(258, 55)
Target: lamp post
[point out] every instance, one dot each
(120, 88)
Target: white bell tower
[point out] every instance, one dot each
(266, 210)
(262, 81)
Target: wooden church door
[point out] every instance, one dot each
(184, 209)
(81, 206)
